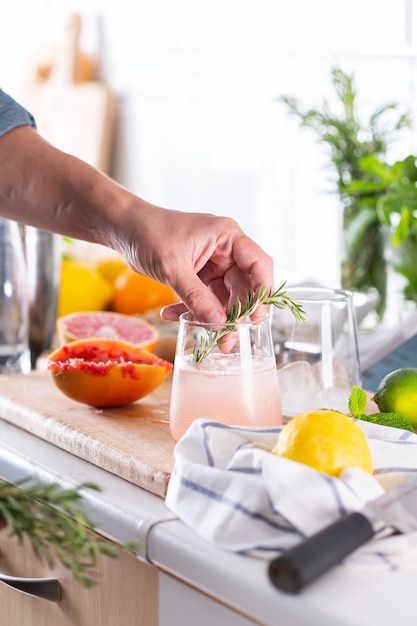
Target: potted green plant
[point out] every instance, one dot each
(349, 140)
(395, 187)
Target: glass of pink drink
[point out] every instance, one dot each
(235, 382)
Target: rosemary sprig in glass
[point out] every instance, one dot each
(53, 521)
(238, 313)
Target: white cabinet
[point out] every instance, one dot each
(180, 605)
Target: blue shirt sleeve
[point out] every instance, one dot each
(13, 114)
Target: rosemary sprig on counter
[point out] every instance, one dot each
(53, 521)
(239, 312)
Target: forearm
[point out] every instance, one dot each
(208, 260)
(44, 187)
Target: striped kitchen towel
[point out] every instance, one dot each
(228, 487)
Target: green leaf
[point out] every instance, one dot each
(403, 229)
(393, 420)
(356, 228)
(384, 208)
(406, 168)
(372, 165)
(365, 418)
(357, 402)
(363, 187)
(405, 261)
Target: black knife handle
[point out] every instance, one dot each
(300, 565)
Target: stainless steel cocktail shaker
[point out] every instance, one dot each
(14, 346)
(43, 261)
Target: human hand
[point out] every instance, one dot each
(207, 260)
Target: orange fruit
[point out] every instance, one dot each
(109, 325)
(106, 373)
(82, 288)
(326, 440)
(137, 294)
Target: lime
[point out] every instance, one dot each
(326, 440)
(397, 392)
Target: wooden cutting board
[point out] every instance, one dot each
(132, 442)
(74, 115)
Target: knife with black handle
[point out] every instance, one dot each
(297, 567)
(300, 565)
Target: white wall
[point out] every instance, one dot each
(199, 126)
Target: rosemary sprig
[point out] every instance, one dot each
(238, 313)
(53, 521)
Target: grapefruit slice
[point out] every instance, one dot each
(106, 373)
(107, 325)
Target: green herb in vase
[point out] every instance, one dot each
(348, 140)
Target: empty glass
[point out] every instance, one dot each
(317, 360)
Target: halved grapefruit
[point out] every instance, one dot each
(108, 325)
(106, 373)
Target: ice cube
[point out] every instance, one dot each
(339, 378)
(299, 387)
(336, 398)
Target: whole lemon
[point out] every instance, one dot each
(397, 392)
(326, 440)
(111, 268)
(82, 288)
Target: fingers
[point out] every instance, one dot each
(197, 298)
(240, 267)
(171, 312)
(210, 264)
(259, 267)
(253, 261)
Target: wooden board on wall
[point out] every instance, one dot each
(76, 116)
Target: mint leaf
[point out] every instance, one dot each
(357, 402)
(391, 419)
(365, 418)
(357, 405)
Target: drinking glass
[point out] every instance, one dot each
(317, 360)
(14, 306)
(234, 383)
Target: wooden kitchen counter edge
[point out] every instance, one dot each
(132, 442)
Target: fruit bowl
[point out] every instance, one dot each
(106, 373)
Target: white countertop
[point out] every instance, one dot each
(128, 513)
